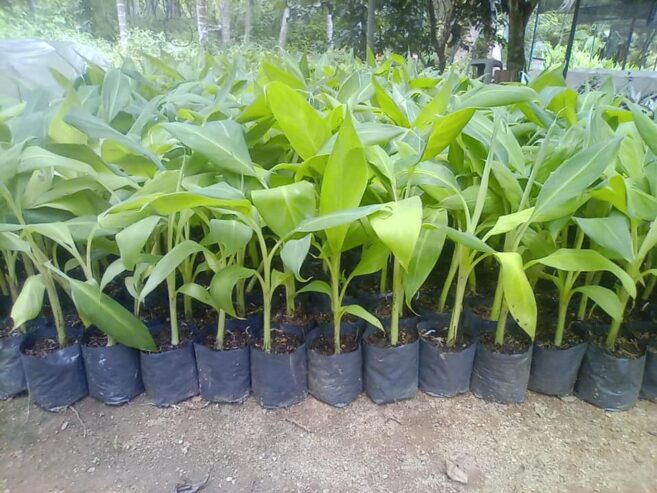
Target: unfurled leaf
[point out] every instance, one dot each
(293, 254)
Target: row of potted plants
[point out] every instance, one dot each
(425, 218)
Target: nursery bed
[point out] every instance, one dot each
(545, 444)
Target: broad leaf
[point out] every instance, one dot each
(572, 260)
(344, 181)
(223, 283)
(306, 130)
(398, 226)
(132, 239)
(445, 130)
(518, 293)
(109, 316)
(284, 207)
(605, 298)
(572, 178)
(427, 250)
(29, 302)
(168, 264)
(222, 142)
(612, 233)
(360, 312)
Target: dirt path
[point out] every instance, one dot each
(545, 444)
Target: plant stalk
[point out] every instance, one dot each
(221, 330)
(614, 328)
(461, 285)
(449, 279)
(397, 300)
(501, 325)
(336, 301)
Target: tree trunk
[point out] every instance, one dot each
(201, 21)
(121, 13)
(519, 13)
(433, 30)
(225, 21)
(33, 6)
(282, 35)
(136, 8)
(329, 25)
(371, 21)
(248, 21)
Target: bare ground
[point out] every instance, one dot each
(545, 444)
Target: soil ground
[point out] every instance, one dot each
(544, 444)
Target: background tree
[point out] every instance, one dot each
(371, 24)
(122, 16)
(225, 11)
(201, 21)
(519, 12)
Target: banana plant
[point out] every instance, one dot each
(231, 238)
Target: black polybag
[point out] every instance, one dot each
(554, 370)
(12, 375)
(500, 377)
(443, 373)
(336, 379)
(225, 376)
(640, 328)
(649, 385)
(113, 372)
(279, 380)
(609, 382)
(390, 374)
(59, 379)
(170, 376)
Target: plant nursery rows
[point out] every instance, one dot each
(282, 226)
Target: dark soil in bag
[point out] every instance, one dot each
(554, 369)
(336, 379)
(113, 372)
(12, 375)
(279, 377)
(444, 370)
(390, 373)
(170, 375)
(501, 374)
(224, 375)
(55, 376)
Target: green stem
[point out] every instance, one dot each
(383, 280)
(461, 285)
(612, 335)
(221, 330)
(241, 303)
(501, 325)
(336, 300)
(4, 285)
(564, 301)
(397, 300)
(589, 279)
(449, 279)
(650, 287)
(55, 306)
(290, 294)
(173, 309)
(497, 300)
